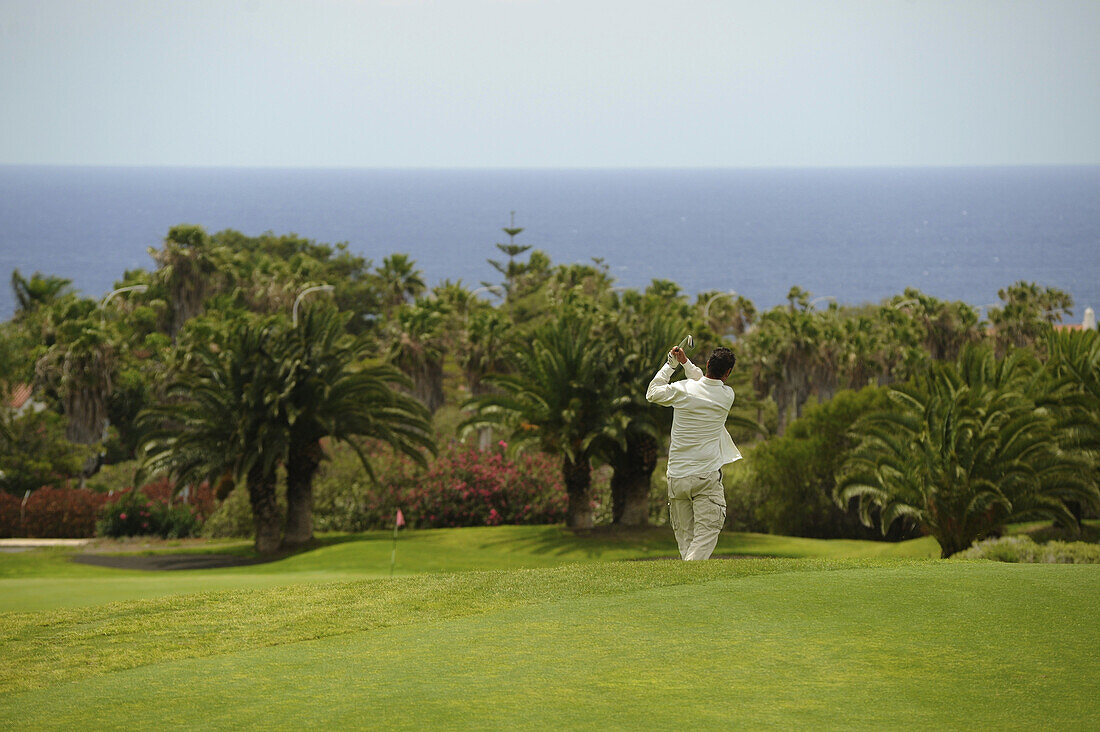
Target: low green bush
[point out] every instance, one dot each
(135, 514)
(745, 494)
(1088, 532)
(794, 476)
(1023, 549)
(34, 452)
(232, 518)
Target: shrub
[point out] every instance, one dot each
(9, 516)
(1023, 549)
(34, 452)
(470, 487)
(68, 513)
(745, 495)
(201, 499)
(794, 476)
(232, 518)
(136, 514)
(344, 499)
(463, 486)
(1054, 532)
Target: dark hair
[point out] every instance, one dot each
(721, 360)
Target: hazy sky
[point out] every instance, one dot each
(542, 83)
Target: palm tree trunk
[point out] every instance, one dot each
(783, 406)
(428, 386)
(578, 488)
(950, 544)
(302, 463)
(630, 482)
(265, 510)
(479, 388)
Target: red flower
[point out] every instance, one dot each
(122, 517)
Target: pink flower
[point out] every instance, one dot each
(122, 516)
(503, 444)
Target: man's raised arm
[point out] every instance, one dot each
(660, 391)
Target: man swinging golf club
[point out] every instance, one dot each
(700, 446)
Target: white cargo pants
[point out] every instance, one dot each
(697, 511)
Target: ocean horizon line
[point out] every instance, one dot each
(548, 168)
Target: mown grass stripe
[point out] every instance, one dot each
(930, 645)
(46, 648)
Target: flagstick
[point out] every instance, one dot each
(393, 554)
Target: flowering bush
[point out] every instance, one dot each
(463, 486)
(200, 499)
(470, 487)
(135, 514)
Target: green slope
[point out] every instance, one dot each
(870, 644)
(41, 580)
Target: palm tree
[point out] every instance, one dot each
(579, 280)
(1073, 362)
(399, 280)
(1073, 358)
(31, 294)
(483, 351)
(330, 396)
(640, 342)
(223, 415)
(559, 400)
(964, 450)
(1028, 310)
(858, 365)
(189, 269)
(784, 350)
(902, 345)
(726, 315)
(946, 326)
(79, 367)
(418, 347)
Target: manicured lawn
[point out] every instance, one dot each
(46, 579)
(795, 643)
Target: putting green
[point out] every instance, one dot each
(624, 645)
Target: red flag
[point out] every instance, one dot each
(400, 518)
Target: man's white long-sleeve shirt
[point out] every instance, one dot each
(700, 443)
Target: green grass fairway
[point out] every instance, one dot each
(794, 643)
(47, 579)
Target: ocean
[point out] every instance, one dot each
(853, 234)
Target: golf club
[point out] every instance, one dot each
(686, 345)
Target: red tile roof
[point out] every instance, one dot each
(19, 396)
